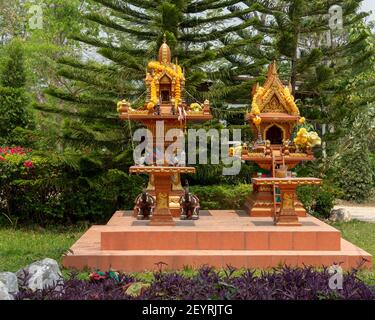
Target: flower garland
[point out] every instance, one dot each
(290, 100)
(154, 98)
(254, 106)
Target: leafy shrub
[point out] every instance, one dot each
(206, 284)
(13, 74)
(318, 200)
(372, 162)
(222, 196)
(55, 189)
(354, 174)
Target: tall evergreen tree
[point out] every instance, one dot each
(14, 102)
(14, 72)
(318, 52)
(205, 36)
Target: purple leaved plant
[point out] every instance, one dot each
(284, 283)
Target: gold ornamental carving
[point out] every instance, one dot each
(274, 106)
(288, 201)
(162, 200)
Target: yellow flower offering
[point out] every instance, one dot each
(302, 120)
(231, 152)
(314, 139)
(150, 106)
(196, 107)
(257, 120)
(304, 138)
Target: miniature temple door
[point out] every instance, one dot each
(275, 135)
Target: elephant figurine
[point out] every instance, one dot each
(189, 205)
(144, 206)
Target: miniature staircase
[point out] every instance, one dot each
(277, 159)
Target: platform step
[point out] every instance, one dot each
(141, 260)
(256, 238)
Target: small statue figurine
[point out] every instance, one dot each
(181, 113)
(144, 206)
(189, 205)
(181, 159)
(173, 110)
(285, 148)
(157, 109)
(245, 148)
(140, 161)
(206, 106)
(172, 159)
(267, 150)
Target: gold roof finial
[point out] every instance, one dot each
(272, 68)
(165, 55)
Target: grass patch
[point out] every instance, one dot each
(22, 246)
(362, 234)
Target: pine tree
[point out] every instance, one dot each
(318, 52)
(206, 38)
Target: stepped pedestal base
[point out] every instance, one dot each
(260, 202)
(219, 238)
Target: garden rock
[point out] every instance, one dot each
(40, 274)
(340, 215)
(10, 281)
(4, 294)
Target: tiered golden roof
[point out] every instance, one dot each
(273, 97)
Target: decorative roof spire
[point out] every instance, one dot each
(165, 55)
(272, 70)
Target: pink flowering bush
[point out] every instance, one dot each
(16, 163)
(16, 156)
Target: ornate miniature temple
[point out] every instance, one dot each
(165, 105)
(273, 117)
(273, 230)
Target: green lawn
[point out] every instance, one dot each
(22, 246)
(361, 234)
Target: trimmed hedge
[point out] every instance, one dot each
(222, 196)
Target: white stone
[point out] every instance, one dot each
(4, 294)
(42, 274)
(340, 215)
(10, 280)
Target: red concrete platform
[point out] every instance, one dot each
(218, 238)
